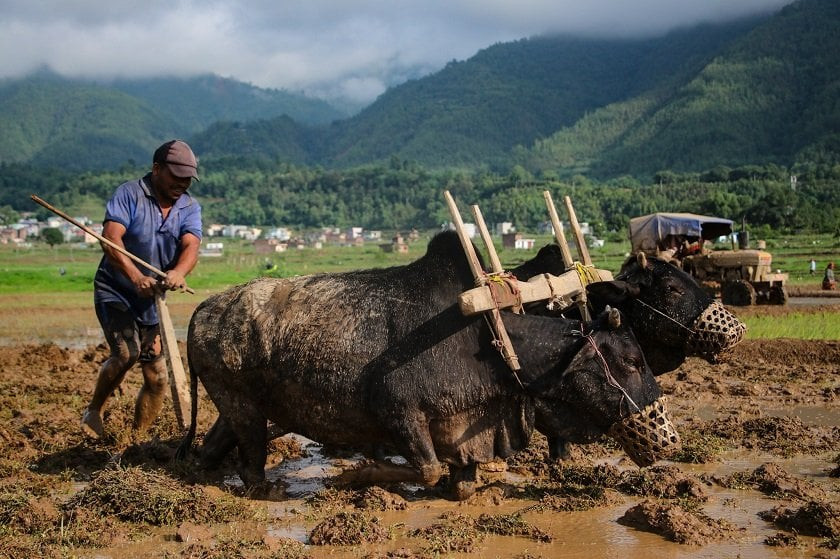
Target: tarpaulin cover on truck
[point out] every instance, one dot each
(648, 231)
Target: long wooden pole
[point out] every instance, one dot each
(559, 235)
(177, 377)
(495, 264)
(466, 244)
(495, 318)
(102, 239)
(581, 242)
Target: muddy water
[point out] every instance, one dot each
(592, 534)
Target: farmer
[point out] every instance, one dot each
(156, 220)
(828, 280)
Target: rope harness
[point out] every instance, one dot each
(611, 380)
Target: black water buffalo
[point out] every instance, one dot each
(671, 316)
(384, 358)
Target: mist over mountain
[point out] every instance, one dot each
(754, 91)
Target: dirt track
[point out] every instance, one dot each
(757, 476)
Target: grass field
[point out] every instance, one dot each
(46, 293)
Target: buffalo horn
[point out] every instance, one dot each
(614, 317)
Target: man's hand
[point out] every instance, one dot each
(174, 280)
(145, 285)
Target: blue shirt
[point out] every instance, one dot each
(147, 236)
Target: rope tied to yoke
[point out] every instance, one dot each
(505, 292)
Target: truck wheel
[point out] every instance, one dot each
(738, 293)
(778, 295)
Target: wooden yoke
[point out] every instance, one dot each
(494, 317)
(565, 290)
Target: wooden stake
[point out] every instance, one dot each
(488, 241)
(495, 317)
(466, 243)
(177, 375)
(559, 235)
(581, 242)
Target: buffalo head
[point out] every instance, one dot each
(672, 316)
(606, 387)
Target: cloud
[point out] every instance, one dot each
(332, 48)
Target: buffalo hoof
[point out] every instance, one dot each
(266, 491)
(559, 450)
(462, 482)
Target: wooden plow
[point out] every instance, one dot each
(498, 290)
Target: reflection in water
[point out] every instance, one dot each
(592, 534)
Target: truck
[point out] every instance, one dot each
(741, 277)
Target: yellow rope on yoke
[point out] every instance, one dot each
(587, 274)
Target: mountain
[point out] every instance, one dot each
(51, 121)
(473, 113)
(769, 97)
(200, 101)
(758, 91)
(751, 92)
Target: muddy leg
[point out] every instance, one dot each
(415, 444)
(123, 340)
(155, 376)
(249, 428)
(558, 449)
(218, 442)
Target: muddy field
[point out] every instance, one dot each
(758, 475)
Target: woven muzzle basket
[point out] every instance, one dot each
(714, 331)
(648, 435)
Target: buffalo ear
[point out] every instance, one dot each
(613, 293)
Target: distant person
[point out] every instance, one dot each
(828, 280)
(813, 266)
(156, 220)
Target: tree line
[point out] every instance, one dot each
(403, 195)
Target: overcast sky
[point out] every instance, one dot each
(326, 48)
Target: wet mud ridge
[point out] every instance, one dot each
(758, 475)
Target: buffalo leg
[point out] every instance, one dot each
(249, 428)
(558, 449)
(415, 444)
(218, 442)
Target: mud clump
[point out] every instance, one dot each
(455, 533)
(812, 519)
(676, 523)
(371, 499)
(376, 498)
(771, 479)
(785, 436)
(348, 528)
(510, 525)
(657, 481)
(136, 495)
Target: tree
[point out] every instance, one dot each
(52, 236)
(8, 215)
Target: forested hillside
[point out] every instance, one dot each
(770, 97)
(51, 121)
